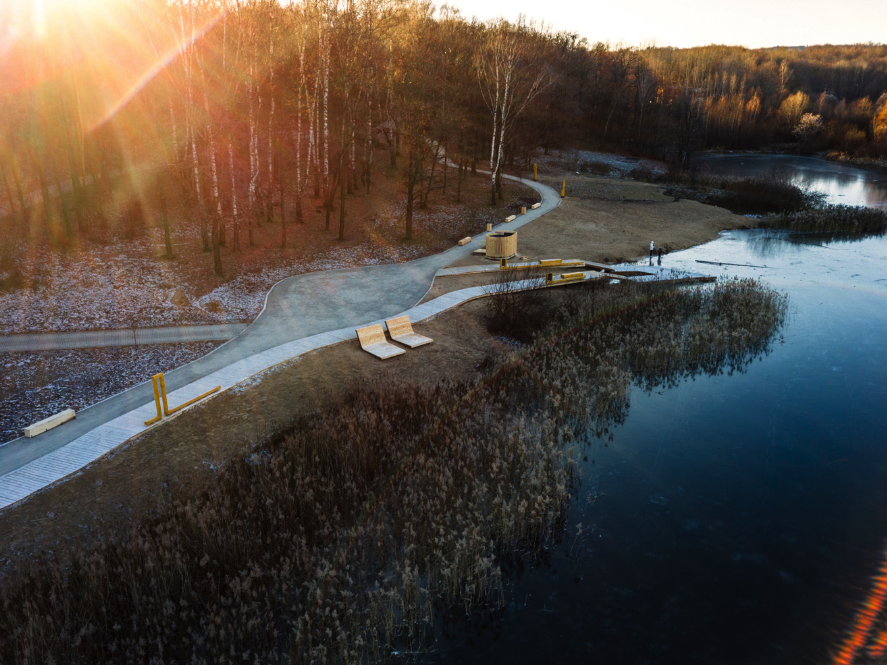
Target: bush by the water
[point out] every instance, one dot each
(772, 192)
(831, 219)
(340, 538)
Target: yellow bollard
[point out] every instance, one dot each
(159, 384)
(534, 170)
(523, 211)
(564, 189)
(489, 227)
(156, 383)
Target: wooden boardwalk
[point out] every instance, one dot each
(471, 270)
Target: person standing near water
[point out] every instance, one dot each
(660, 254)
(651, 252)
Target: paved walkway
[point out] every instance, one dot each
(129, 337)
(296, 309)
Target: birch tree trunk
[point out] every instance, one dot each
(270, 200)
(253, 166)
(299, 185)
(326, 134)
(235, 220)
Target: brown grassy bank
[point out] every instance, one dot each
(612, 221)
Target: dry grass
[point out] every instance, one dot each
(837, 220)
(338, 538)
(615, 228)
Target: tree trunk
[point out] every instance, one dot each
(217, 251)
(235, 221)
(411, 187)
(9, 197)
(342, 187)
(44, 191)
(26, 216)
(280, 185)
(446, 166)
(63, 204)
(161, 191)
(326, 133)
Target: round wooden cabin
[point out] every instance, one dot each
(501, 244)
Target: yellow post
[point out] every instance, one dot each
(503, 264)
(155, 382)
(523, 210)
(534, 170)
(564, 189)
(194, 401)
(162, 381)
(159, 385)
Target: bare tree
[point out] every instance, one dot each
(511, 74)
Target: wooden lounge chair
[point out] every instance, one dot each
(372, 340)
(401, 331)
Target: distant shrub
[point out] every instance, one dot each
(772, 192)
(832, 219)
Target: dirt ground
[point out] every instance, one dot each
(129, 482)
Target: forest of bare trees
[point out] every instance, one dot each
(240, 106)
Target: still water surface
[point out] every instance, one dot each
(735, 518)
(841, 184)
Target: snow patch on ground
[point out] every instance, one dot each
(124, 285)
(34, 386)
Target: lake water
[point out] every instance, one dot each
(732, 519)
(841, 184)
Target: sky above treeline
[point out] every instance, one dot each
(685, 23)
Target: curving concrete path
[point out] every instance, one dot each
(93, 339)
(296, 308)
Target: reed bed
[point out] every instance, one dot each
(841, 220)
(768, 193)
(340, 538)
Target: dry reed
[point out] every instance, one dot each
(340, 538)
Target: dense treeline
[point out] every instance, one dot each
(238, 106)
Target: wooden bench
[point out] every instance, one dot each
(372, 340)
(48, 423)
(550, 262)
(465, 240)
(535, 205)
(511, 218)
(401, 330)
(573, 275)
